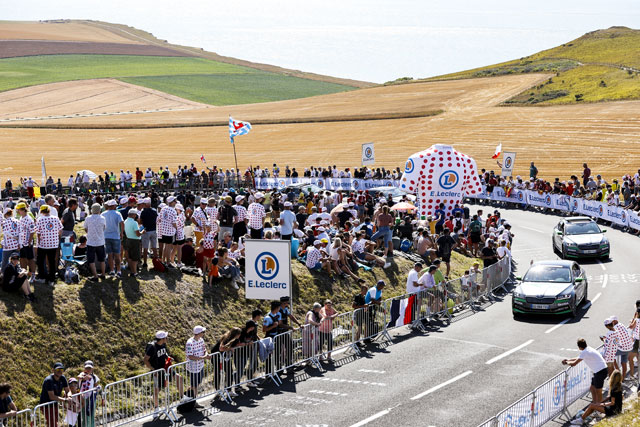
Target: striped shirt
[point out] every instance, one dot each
(11, 234)
(256, 215)
(242, 212)
(26, 228)
(199, 220)
(168, 217)
(48, 229)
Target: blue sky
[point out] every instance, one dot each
(371, 40)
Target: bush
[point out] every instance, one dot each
(579, 96)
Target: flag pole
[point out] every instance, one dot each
(236, 159)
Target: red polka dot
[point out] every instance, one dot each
(437, 200)
(469, 161)
(430, 206)
(440, 165)
(423, 193)
(430, 170)
(421, 156)
(429, 176)
(412, 182)
(448, 158)
(458, 164)
(449, 164)
(429, 182)
(428, 188)
(424, 166)
(450, 207)
(435, 151)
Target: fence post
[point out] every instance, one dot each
(533, 405)
(565, 410)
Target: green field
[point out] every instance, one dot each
(197, 79)
(581, 66)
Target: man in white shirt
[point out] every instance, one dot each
(287, 221)
(596, 363)
(196, 352)
(413, 279)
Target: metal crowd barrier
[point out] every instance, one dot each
(79, 409)
(546, 401)
(22, 418)
(135, 398)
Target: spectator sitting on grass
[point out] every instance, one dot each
(316, 260)
(14, 278)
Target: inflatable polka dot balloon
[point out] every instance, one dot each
(440, 174)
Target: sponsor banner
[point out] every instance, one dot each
(542, 200)
(332, 184)
(509, 158)
(368, 155)
(498, 194)
(268, 269)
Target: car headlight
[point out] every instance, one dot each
(604, 243)
(565, 295)
(517, 294)
(571, 244)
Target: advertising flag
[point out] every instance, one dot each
(507, 163)
(368, 155)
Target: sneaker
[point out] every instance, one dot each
(93, 279)
(235, 285)
(112, 273)
(102, 276)
(252, 385)
(156, 414)
(232, 393)
(576, 421)
(386, 265)
(185, 398)
(119, 274)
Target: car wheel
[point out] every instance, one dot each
(574, 308)
(516, 316)
(563, 254)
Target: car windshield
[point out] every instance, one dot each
(582, 228)
(548, 273)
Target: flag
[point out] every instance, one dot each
(401, 311)
(498, 151)
(202, 158)
(44, 172)
(237, 128)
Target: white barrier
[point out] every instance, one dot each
(22, 418)
(615, 214)
(333, 184)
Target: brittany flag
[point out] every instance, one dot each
(237, 128)
(202, 158)
(498, 151)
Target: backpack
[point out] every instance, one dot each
(189, 405)
(158, 265)
(405, 245)
(476, 227)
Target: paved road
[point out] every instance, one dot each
(458, 375)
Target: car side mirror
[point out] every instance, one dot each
(559, 233)
(579, 279)
(604, 231)
(519, 278)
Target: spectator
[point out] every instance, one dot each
(316, 260)
(188, 253)
(240, 224)
(48, 229)
(53, 388)
(199, 219)
(88, 381)
(413, 278)
(168, 228)
(69, 220)
(227, 215)
(196, 353)
(439, 219)
(360, 316)
(7, 407)
(180, 237)
(310, 336)
(287, 221)
(327, 313)
(635, 328)
(133, 232)
(80, 249)
(226, 343)
(256, 215)
(596, 363)
(383, 224)
(73, 404)
(533, 171)
(611, 406)
(248, 338)
(617, 342)
(446, 244)
(488, 254)
(112, 236)
(14, 278)
(428, 283)
(95, 225)
(586, 174)
(11, 236)
(149, 240)
(157, 358)
(362, 250)
(228, 267)
(272, 321)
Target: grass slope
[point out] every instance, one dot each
(197, 79)
(110, 322)
(610, 56)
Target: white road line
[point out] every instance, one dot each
(371, 371)
(507, 353)
(439, 386)
(533, 229)
(596, 297)
(602, 265)
(605, 279)
(374, 417)
(553, 328)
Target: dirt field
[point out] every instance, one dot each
(13, 30)
(450, 96)
(558, 139)
(15, 48)
(100, 96)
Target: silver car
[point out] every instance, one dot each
(580, 237)
(554, 287)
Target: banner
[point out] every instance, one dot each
(600, 210)
(268, 269)
(509, 158)
(368, 155)
(332, 184)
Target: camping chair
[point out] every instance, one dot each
(71, 267)
(66, 255)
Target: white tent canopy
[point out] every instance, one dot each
(89, 173)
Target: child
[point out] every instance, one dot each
(73, 405)
(80, 249)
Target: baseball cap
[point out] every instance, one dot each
(228, 199)
(21, 205)
(14, 255)
(162, 334)
(132, 199)
(288, 204)
(324, 241)
(171, 199)
(321, 229)
(203, 201)
(238, 198)
(381, 282)
(88, 364)
(58, 365)
(608, 321)
(7, 210)
(285, 299)
(122, 200)
(259, 195)
(324, 209)
(198, 330)
(110, 203)
(44, 208)
(317, 242)
(179, 207)
(133, 211)
(73, 380)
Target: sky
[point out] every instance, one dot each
(370, 40)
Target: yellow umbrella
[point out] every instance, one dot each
(341, 207)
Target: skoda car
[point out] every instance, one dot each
(554, 287)
(580, 237)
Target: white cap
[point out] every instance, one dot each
(162, 334)
(608, 321)
(321, 229)
(317, 242)
(147, 200)
(351, 204)
(198, 330)
(324, 209)
(238, 198)
(110, 203)
(171, 199)
(123, 200)
(204, 201)
(7, 210)
(180, 207)
(259, 195)
(288, 204)
(133, 211)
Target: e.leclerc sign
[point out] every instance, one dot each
(268, 269)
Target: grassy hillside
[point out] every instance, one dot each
(603, 65)
(197, 79)
(110, 322)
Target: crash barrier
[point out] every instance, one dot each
(333, 184)
(548, 400)
(162, 392)
(575, 205)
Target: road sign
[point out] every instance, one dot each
(508, 160)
